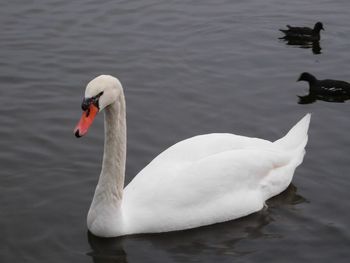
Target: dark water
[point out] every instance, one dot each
(188, 67)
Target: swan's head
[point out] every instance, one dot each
(100, 92)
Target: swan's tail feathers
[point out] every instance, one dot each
(296, 138)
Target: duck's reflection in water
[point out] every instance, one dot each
(178, 246)
(314, 45)
(313, 97)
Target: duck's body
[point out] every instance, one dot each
(203, 180)
(331, 87)
(326, 87)
(304, 33)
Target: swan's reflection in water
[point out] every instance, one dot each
(106, 250)
(184, 245)
(303, 43)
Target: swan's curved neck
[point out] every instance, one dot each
(111, 182)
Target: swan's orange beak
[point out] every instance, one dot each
(86, 120)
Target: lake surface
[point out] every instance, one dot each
(188, 68)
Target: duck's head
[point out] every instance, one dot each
(305, 76)
(318, 27)
(99, 93)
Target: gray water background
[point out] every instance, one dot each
(188, 68)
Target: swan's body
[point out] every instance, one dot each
(199, 181)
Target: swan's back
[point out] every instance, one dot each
(209, 179)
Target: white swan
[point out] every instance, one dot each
(199, 181)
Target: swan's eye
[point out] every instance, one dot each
(97, 97)
(93, 100)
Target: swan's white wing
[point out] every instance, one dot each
(201, 146)
(191, 150)
(213, 189)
